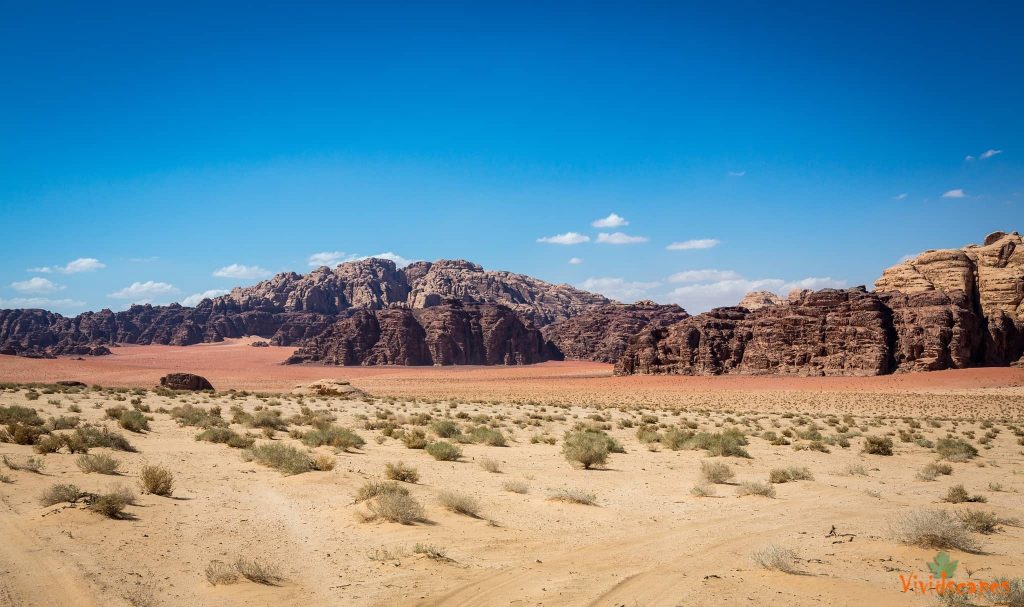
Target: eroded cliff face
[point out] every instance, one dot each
(945, 309)
(602, 333)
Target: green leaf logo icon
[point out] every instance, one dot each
(942, 564)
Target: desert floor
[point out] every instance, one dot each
(647, 539)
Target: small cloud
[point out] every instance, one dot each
(575, 261)
(143, 259)
(990, 153)
(618, 288)
(737, 173)
(41, 302)
(36, 285)
(237, 270)
(968, 158)
(328, 258)
(957, 193)
(82, 264)
(567, 238)
(619, 238)
(902, 196)
(194, 299)
(611, 221)
(704, 275)
(701, 243)
(144, 292)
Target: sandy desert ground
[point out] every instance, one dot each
(492, 530)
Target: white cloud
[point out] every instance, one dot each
(567, 238)
(619, 238)
(713, 293)
(40, 302)
(968, 158)
(700, 243)
(737, 173)
(237, 270)
(82, 264)
(611, 221)
(575, 261)
(902, 196)
(618, 288)
(328, 258)
(144, 292)
(957, 193)
(143, 259)
(194, 299)
(990, 153)
(704, 275)
(36, 285)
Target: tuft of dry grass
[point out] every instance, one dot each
(515, 487)
(261, 572)
(573, 496)
(31, 464)
(754, 488)
(220, 573)
(703, 490)
(156, 480)
(933, 529)
(775, 558)
(322, 462)
(396, 508)
(100, 463)
(716, 472)
(60, 493)
(401, 472)
(490, 465)
(459, 503)
(285, 458)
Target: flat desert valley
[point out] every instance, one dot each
(467, 485)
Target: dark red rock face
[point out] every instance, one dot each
(603, 332)
(185, 381)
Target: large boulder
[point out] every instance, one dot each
(185, 381)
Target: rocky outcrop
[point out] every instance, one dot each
(450, 333)
(185, 381)
(603, 332)
(755, 300)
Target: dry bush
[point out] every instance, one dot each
(877, 445)
(444, 451)
(59, 493)
(933, 529)
(156, 480)
(431, 551)
(957, 494)
(775, 558)
(932, 470)
(459, 503)
(322, 462)
(110, 505)
(93, 436)
(753, 488)
(31, 464)
(1012, 596)
(401, 472)
(220, 573)
(133, 421)
(716, 472)
(703, 490)
(340, 438)
(588, 448)
(980, 521)
(414, 439)
(490, 465)
(515, 486)
(792, 473)
(955, 449)
(100, 463)
(854, 470)
(285, 458)
(372, 489)
(396, 508)
(258, 571)
(574, 496)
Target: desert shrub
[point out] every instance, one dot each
(877, 445)
(444, 451)
(334, 436)
(854, 470)
(1010, 592)
(93, 436)
(980, 521)
(268, 419)
(396, 508)
(156, 480)
(133, 421)
(415, 439)
(190, 415)
(490, 465)
(955, 449)
(444, 428)
(220, 573)
(49, 443)
(110, 505)
(63, 422)
(100, 463)
(792, 473)
(284, 458)
(217, 434)
(775, 558)
(573, 496)
(488, 436)
(515, 486)
(728, 443)
(20, 415)
(431, 551)
(31, 464)
(372, 489)
(322, 462)
(23, 434)
(957, 494)
(676, 438)
(401, 472)
(587, 448)
(716, 472)
(932, 470)
(59, 493)
(258, 571)
(935, 529)
(760, 489)
(702, 490)
(459, 503)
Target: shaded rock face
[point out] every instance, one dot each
(602, 333)
(991, 278)
(755, 300)
(185, 381)
(450, 333)
(290, 309)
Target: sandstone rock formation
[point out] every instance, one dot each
(185, 381)
(602, 333)
(451, 333)
(328, 387)
(755, 300)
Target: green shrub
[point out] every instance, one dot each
(157, 480)
(100, 463)
(61, 492)
(401, 472)
(415, 439)
(716, 472)
(444, 428)
(588, 448)
(334, 436)
(957, 494)
(877, 445)
(133, 421)
(284, 458)
(488, 436)
(444, 451)
(955, 449)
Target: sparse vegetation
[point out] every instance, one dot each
(284, 458)
(99, 463)
(753, 488)
(459, 503)
(444, 451)
(775, 558)
(401, 472)
(515, 486)
(574, 496)
(156, 480)
(955, 449)
(934, 529)
(60, 493)
(877, 445)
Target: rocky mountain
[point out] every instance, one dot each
(290, 309)
(944, 309)
(755, 300)
(603, 332)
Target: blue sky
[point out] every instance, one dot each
(196, 147)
